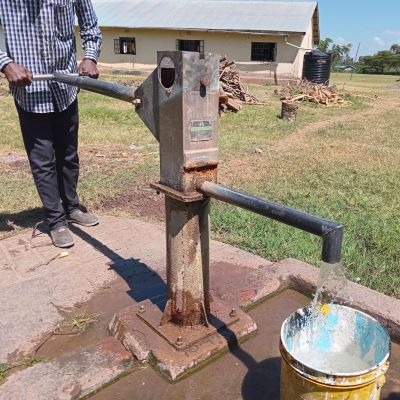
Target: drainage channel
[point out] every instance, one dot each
(250, 372)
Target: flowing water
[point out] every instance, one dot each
(331, 286)
(328, 337)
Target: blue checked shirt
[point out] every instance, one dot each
(40, 35)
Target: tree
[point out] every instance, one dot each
(325, 44)
(341, 54)
(384, 61)
(395, 48)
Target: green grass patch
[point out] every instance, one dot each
(347, 172)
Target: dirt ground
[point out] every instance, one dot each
(4, 90)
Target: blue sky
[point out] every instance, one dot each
(376, 24)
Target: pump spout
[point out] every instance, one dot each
(115, 90)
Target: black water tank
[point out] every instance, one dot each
(317, 67)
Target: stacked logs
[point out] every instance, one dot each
(315, 93)
(232, 93)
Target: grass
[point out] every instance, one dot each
(80, 322)
(340, 163)
(346, 171)
(257, 126)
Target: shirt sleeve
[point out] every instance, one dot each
(4, 60)
(89, 29)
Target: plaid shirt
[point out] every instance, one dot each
(40, 36)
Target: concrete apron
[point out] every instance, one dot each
(38, 288)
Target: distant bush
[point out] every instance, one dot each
(386, 62)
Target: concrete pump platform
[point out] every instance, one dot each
(119, 264)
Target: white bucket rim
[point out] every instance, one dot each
(339, 374)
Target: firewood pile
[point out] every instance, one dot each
(232, 93)
(313, 92)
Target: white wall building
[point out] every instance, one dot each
(254, 33)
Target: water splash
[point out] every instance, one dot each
(336, 339)
(331, 337)
(331, 286)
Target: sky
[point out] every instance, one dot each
(374, 23)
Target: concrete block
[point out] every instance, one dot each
(70, 377)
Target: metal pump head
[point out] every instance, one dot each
(179, 105)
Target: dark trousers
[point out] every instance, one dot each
(51, 142)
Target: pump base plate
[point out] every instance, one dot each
(137, 327)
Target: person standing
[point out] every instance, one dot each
(40, 39)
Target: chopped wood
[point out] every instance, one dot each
(233, 105)
(232, 92)
(313, 92)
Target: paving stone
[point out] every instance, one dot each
(29, 308)
(69, 377)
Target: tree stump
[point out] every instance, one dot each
(289, 111)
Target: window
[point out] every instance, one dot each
(190, 45)
(125, 45)
(263, 51)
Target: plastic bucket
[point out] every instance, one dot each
(334, 353)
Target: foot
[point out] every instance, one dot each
(61, 237)
(81, 218)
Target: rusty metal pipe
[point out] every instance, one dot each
(115, 90)
(187, 262)
(330, 232)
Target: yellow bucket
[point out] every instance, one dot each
(337, 354)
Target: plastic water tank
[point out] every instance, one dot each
(317, 67)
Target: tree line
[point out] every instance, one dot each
(383, 62)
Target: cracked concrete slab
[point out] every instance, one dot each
(36, 284)
(69, 377)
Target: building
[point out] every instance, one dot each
(256, 34)
(344, 68)
(259, 35)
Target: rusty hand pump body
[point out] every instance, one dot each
(178, 102)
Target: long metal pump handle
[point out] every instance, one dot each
(115, 90)
(331, 232)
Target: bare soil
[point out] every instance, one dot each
(139, 201)
(4, 89)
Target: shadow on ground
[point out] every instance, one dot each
(143, 282)
(24, 219)
(393, 396)
(261, 380)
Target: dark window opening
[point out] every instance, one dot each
(263, 51)
(125, 45)
(190, 45)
